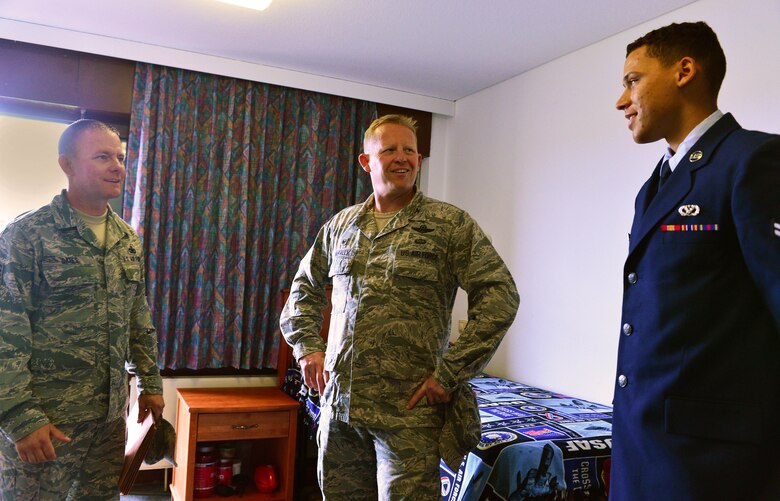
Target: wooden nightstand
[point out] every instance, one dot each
(264, 417)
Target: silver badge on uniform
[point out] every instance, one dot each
(689, 210)
(696, 156)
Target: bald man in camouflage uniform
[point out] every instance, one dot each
(73, 314)
(394, 396)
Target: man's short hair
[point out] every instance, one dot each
(677, 40)
(70, 135)
(408, 122)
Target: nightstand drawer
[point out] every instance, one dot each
(239, 426)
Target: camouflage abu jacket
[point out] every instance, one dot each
(392, 300)
(70, 317)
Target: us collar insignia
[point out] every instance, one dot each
(696, 156)
(422, 229)
(689, 210)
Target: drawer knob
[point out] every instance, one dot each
(244, 426)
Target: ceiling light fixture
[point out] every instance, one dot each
(249, 4)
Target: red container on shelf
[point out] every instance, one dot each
(205, 471)
(265, 478)
(225, 471)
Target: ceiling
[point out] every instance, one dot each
(445, 49)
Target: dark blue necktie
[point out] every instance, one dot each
(666, 171)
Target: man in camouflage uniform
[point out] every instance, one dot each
(73, 316)
(387, 378)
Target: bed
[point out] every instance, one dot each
(536, 445)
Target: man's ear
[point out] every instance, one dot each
(65, 164)
(687, 69)
(364, 160)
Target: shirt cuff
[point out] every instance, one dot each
(304, 348)
(149, 385)
(445, 378)
(26, 423)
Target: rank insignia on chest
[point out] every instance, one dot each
(689, 210)
(776, 228)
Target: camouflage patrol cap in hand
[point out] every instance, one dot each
(163, 443)
(462, 430)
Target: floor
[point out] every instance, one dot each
(156, 493)
(147, 492)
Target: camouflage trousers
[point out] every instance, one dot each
(86, 469)
(361, 463)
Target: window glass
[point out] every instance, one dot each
(29, 173)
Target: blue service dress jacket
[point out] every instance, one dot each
(697, 389)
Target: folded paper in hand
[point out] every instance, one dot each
(139, 436)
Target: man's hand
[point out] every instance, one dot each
(313, 369)
(146, 403)
(432, 391)
(37, 447)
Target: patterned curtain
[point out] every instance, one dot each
(228, 182)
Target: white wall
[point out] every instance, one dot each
(547, 166)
